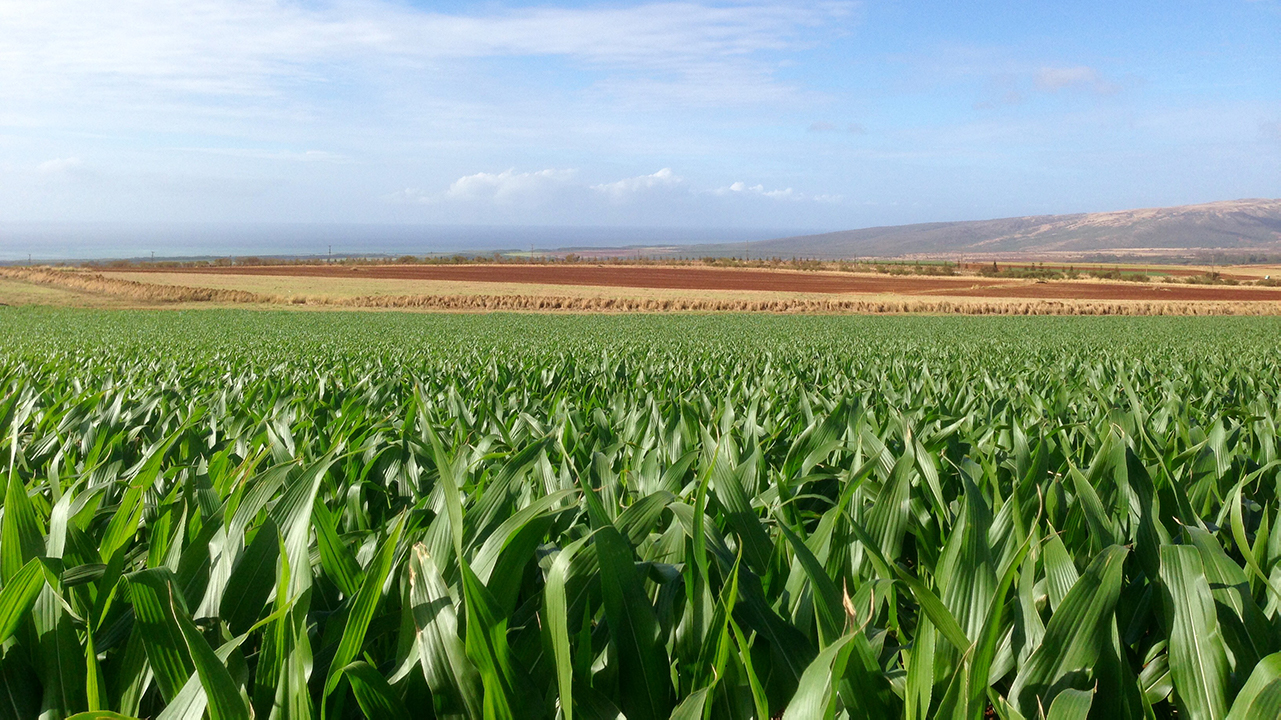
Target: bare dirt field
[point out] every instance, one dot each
(704, 280)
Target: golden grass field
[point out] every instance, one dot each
(344, 289)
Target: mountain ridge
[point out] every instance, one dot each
(1230, 225)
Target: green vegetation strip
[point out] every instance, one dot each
(232, 514)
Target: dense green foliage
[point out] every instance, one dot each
(287, 515)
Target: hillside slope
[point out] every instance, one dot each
(1228, 225)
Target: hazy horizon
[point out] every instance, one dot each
(104, 241)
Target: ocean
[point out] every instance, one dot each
(55, 242)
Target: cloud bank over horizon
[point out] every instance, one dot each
(690, 113)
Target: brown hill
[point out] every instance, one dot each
(1234, 225)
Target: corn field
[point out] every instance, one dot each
(240, 514)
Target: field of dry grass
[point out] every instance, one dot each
(320, 289)
(17, 291)
(120, 289)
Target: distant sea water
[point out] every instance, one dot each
(64, 242)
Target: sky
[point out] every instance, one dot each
(753, 115)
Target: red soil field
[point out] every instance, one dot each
(699, 278)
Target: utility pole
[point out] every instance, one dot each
(331, 253)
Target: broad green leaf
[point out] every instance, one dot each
(1074, 638)
(888, 520)
(827, 598)
(17, 597)
(1198, 664)
(636, 522)
(506, 687)
(501, 561)
(815, 697)
(728, 488)
(451, 675)
(363, 607)
(376, 698)
(919, 660)
(937, 612)
(645, 689)
(335, 557)
(292, 514)
(19, 690)
(251, 580)
(692, 707)
(180, 645)
(1060, 572)
(556, 615)
(167, 653)
(21, 536)
(1071, 705)
(1260, 697)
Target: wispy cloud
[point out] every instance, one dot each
(629, 187)
(511, 187)
(1054, 79)
(59, 166)
(248, 47)
(285, 155)
(315, 110)
(508, 185)
(823, 126)
(1015, 83)
(742, 188)
(501, 188)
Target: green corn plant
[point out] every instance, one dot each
(234, 514)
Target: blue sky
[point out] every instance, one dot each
(676, 114)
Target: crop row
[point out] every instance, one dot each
(293, 515)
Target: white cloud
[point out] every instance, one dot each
(1054, 79)
(59, 166)
(742, 188)
(508, 186)
(513, 190)
(628, 187)
(1271, 130)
